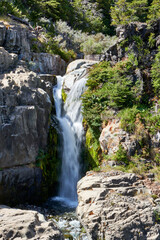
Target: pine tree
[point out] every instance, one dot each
(125, 11)
(154, 10)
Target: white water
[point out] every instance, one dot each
(72, 132)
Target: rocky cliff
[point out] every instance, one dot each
(26, 82)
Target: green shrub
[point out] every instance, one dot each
(128, 118)
(151, 40)
(155, 73)
(120, 156)
(154, 11)
(108, 87)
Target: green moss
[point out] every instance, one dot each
(64, 95)
(92, 149)
(48, 160)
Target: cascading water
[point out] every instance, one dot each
(70, 120)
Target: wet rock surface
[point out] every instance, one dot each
(75, 71)
(117, 205)
(62, 215)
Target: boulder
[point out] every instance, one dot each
(47, 63)
(26, 224)
(80, 63)
(116, 206)
(113, 135)
(19, 40)
(76, 70)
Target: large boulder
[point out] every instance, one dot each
(24, 224)
(116, 206)
(75, 71)
(112, 136)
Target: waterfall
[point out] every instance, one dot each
(70, 121)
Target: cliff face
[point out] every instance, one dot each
(25, 108)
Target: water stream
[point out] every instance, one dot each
(70, 121)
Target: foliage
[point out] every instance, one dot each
(151, 40)
(108, 87)
(128, 118)
(125, 11)
(8, 7)
(155, 73)
(64, 95)
(120, 156)
(92, 148)
(47, 159)
(79, 41)
(154, 10)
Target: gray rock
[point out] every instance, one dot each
(113, 135)
(48, 63)
(7, 59)
(25, 108)
(24, 224)
(2, 33)
(116, 206)
(24, 183)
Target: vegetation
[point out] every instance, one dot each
(155, 73)
(115, 89)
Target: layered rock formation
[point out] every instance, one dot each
(118, 206)
(22, 41)
(34, 225)
(25, 107)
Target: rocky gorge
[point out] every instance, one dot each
(112, 204)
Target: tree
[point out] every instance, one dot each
(155, 74)
(125, 11)
(120, 13)
(154, 10)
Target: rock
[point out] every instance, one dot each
(2, 33)
(25, 108)
(75, 71)
(93, 57)
(23, 224)
(19, 39)
(24, 183)
(118, 206)
(47, 63)
(80, 63)
(113, 135)
(7, 59)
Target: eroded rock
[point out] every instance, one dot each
(116, 206)
(24, 224)
(113, 135)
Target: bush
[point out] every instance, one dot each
(120, 156)
(128, 118)
(155, 73)
(68, 38)
(109, 87)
